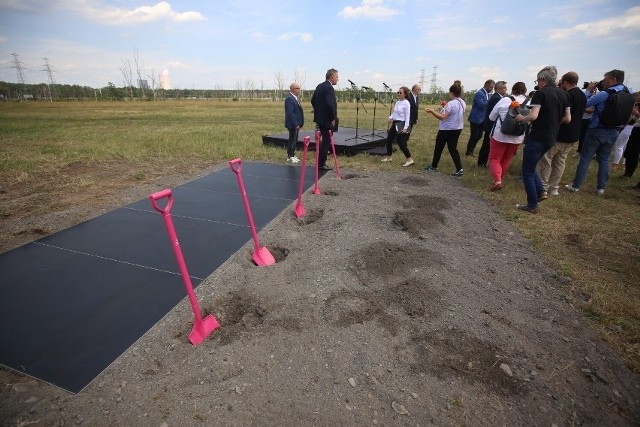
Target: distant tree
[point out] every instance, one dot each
(279, 80)
(300, 77)
(139, 72)
(127, 75)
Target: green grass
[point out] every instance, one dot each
(592, 241)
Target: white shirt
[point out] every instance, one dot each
(501, 110)
(401, 112)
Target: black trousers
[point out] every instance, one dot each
(291, 143)
(474, 136)
(632, 152)
(483, 154)
(450, 139)
(325, 146)
(401, 139)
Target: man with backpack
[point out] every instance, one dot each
(612, 108)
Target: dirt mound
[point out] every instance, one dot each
(398, 300)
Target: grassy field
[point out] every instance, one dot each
(49, 151)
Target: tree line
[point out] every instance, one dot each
(111, 92)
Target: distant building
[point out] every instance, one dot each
(165, 82)
(143, 84)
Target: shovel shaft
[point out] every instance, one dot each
(316, 190)
(173, 238)
(306, 140)
(335, 158)
(236, 166)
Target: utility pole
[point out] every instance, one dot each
(50, 81)
(422, 78)
(434, 79)
(20, 70)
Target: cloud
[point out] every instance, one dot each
(303, 37)
(628, 21)
(487, 72)
(3, 40)
(459, 37)
(161, 11)
(369, 9)
(257, 35)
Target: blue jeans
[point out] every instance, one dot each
(532, 153)
(600, 142)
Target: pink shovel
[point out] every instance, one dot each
(201, 327)
(261, 255)
(299, 210)
(335, 158)
(316, 190)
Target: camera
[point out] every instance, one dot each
(600, 86)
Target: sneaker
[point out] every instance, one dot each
(543, 196)
(294, 159)
(571, 188)
(600, 191)
(458, 173)
(525, 207)
(554, 192)
(387, 159)
(409, 162)
(431, 169)
(289, 159)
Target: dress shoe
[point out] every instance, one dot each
(495, 187)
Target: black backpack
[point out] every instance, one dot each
(509, 126)
(617, 108)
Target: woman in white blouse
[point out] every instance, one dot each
(400, 128)
(502, 147)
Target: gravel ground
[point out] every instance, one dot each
(399, 299)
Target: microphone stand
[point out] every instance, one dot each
(375, 103)
(358, 102)
(387, 91)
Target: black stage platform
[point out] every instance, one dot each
(344, 139)
(73, 301)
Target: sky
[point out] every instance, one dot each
(228, 44)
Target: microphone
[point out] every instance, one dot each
(365, 88)
(385, 85)
(351, 82)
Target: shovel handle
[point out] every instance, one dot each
(306, 141)
(161, 195)
(233, 163)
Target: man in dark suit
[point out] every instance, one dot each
(413, 103)
(500, 91)
(293, 120)
(325, 113)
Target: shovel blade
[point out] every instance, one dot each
(316, 190)
(300, 211)
(201, 330)
(262, 257)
